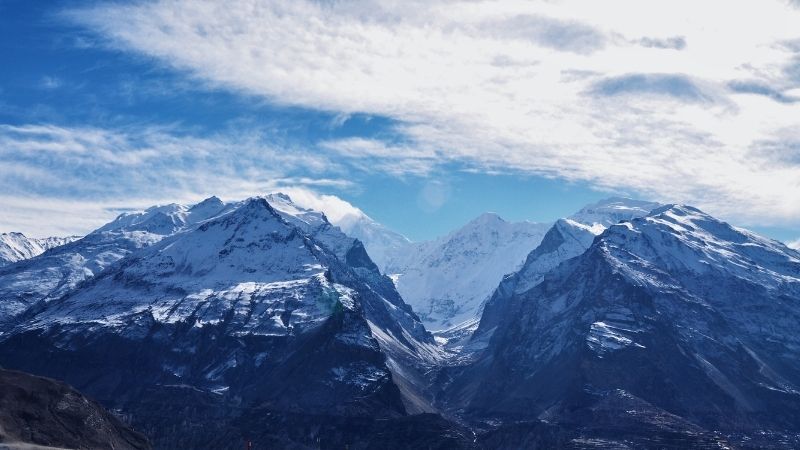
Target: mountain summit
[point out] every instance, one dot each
(17, 247)
(447, 280)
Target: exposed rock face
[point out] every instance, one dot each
(39, 412)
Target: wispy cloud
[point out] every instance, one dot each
(670, 85)
(393, 158)
(756, 88)
(674, 42)
(48, 82)
(647, 100)
(79, 177)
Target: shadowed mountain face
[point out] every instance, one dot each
(56, 272)
(37, 412)
(685, 316)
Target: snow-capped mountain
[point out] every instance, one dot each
(16, 246)
(611, 211)
(381, 243)
(265, 308)
(447, 280)
(567, 238)
(54, 273)
(672, 324)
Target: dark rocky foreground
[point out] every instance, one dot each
(39, 412)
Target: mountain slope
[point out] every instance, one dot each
(567, 238)
(260, 307)
(381, 243)
(40, 412)
(54, 273)
(17, 247)
(447, 280)
(676, 312)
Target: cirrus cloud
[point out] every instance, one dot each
(84, 176)
(535, 87)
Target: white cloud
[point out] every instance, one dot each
(338, 211)
(50, 83)
(79, 178)
(795, 244)
(637, 100)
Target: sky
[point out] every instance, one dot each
(422, 114)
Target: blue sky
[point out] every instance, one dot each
(423, 116)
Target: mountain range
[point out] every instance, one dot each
(16, 246)
(671, 329)
(629, 324)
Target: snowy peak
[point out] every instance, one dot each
(55, 241)
(250, 252)
(569, 237)
(566, 239)
(241, 244)
(206, 209)
(164, 220)
(56, 272)
(307, 218)
(16, 246)
(447, 280)
(381, 243)
(613, 210)
(484, 220)
(683, 239)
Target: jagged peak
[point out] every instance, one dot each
(258, 205)
(13, 233)
(295, 213)
(487, 218)
(678, 209)
(280, 196)
(210, 201)
(620, 202)
(609, 211)
(679, 237)
(166, 209)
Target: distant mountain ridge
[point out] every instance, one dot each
(54, 273)
(447, 280)
(16, 246)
